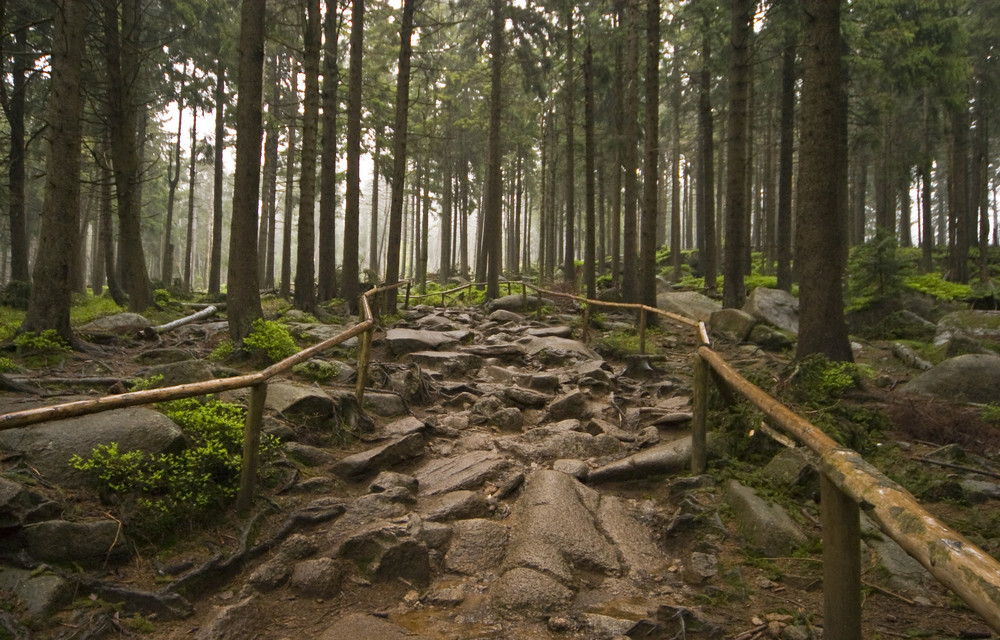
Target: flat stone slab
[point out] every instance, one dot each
(560, 331)
(466, 471)
(361, 626)
(972, 378)
(403, 427)
(536, 345)
(689, 304)
(379, 458)
(665, 458)
(447, 362)
(766, 526)
(288, 398)
(774, 306)
(402, 341)
(49, 447)
(117, 323)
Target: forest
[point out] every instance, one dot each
(601, 145)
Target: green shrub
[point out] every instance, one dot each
(7, 365)
(87, 308)
(223, 351)
(934, 285)
(46, 342)
(270, 340)
(16, 294)
(875, 271)
(991, 413)
(317, 370)
(158, 492)
(141, 384)
(819, 380)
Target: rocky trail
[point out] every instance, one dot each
(503, 480)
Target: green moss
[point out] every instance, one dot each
(933, 284)
(270, 340)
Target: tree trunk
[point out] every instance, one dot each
(447, 202)
(492, 208)
(399, 152)
(589, 268)
(352, 211)
(15, 118)
(305, 263)
(215, 260)
(822, 168)
(651, 151)
(675, 172)
(49, 304)
(328, 170)
(737, 215)
(569, 264)
(286, 231)
(958, 202)
(269, 199)
(630, 160)
(706, 198)
(617, 141)
(173, 179)
(123, 55)
(192, 175)
(786, 144)
(243, 288)
(373, 218)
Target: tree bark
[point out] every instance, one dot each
(243, 289)
(215, 260)
(327, 288)
(737, 211)
(399, 152)
(651, 153)
(173, 179)
(269, 197)
(49, 304)
(19, 269)
(706, 198)
(286, 231)
(352, 211)
(589, 266)
(305, 263)
(786, 144)
(492, 204)
(569, 263)
(675, 172)
(192, 174)
(822, 168)
(630, 160)
(373, 265)
(958, 201)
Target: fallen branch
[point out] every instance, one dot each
(180, 322)
(958, 467)
(908, 357)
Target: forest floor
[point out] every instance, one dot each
(749, 597)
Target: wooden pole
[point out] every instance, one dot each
(642, 330)
(586, 324)
(841, 521)
(699, 418)
(539, 304)
(406, 302)
(366, 347)
(251, 447)
(204, 313)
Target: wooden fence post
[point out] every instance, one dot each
(642, 330)
(841, 521)
(699, 419)
(524, 294)
(251, 447)
(539, 304)
(366, 348)
(406, 303)
(586, 324)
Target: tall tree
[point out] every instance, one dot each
(399, 150)
(737, 211)
(218, 176)
(820, 247)
(243, 290)
(630, 161)
(493, 194)
(49, 304)
(589, 266)
(651, 155)
(569, 264)
(14, 106)
(305, 265)
(786, 152)
(327, 288)
(706, 170)
(352, 210)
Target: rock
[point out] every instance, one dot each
(976, 323)
(308, 455)
(970, 378)
(403, 427)
(449, 363)
(546, 332)
(546, 444)
(569, 405)
(402, 341)
(87, 543)
(979, 491)
(386, 455)
(775, 307)
(299, 403)
(183, 372)
(445, 597)
(524, 590)
(325, 371)
(361, 626)
(49, 447)
(576, 468)
(386, 552)
(556, 532)
(689, 304)
(317, 578)
(388, 479)
(41, 594)
(766, 526)
(732, 324)
(235, 622)
(271, 575)
(163, 356)
(554, 345)
(454, 505)
(961, 344)
(120, 323)
(793, 467)
(665, 458)
(906, 325)
(904, 572)
(434, 534)
(526, 398)
(484, 408)
(514, 302)
(19, 506)
(546, 382)
(467, 471)
(769, 338)
(503, 316)
(699, 567)
(386, 405)
(508, 419)
(634, 541)
(477, 546)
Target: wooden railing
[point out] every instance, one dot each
(848, 483)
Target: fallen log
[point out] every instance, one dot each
(180, 322)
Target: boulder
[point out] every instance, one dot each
(450, 363)
(402, 341)
(49, 447)
(378, 458)
(387, 552)
(547, 444)
(403, 427)
(525, 590)
(503, 316)
(570, 405)
(571, 348)
(386, 405)
(183, 372)
(41, 595)
(86, 543)
(390, 479)
(477, 545)
(299, 403)
(121, 323)
(514, 302)
(775, 307)
(770, 339)
(235, 622)
(766, 527)
(906, 325)
(362, 626)
(455, 505)
(308, 455)
(977, 323)
(317, 577)
(20, 505)
(665, 458)
(559, 331)
(969, 378)
(507, 419)
(689, 304)
(732, 324)
(467, 471)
